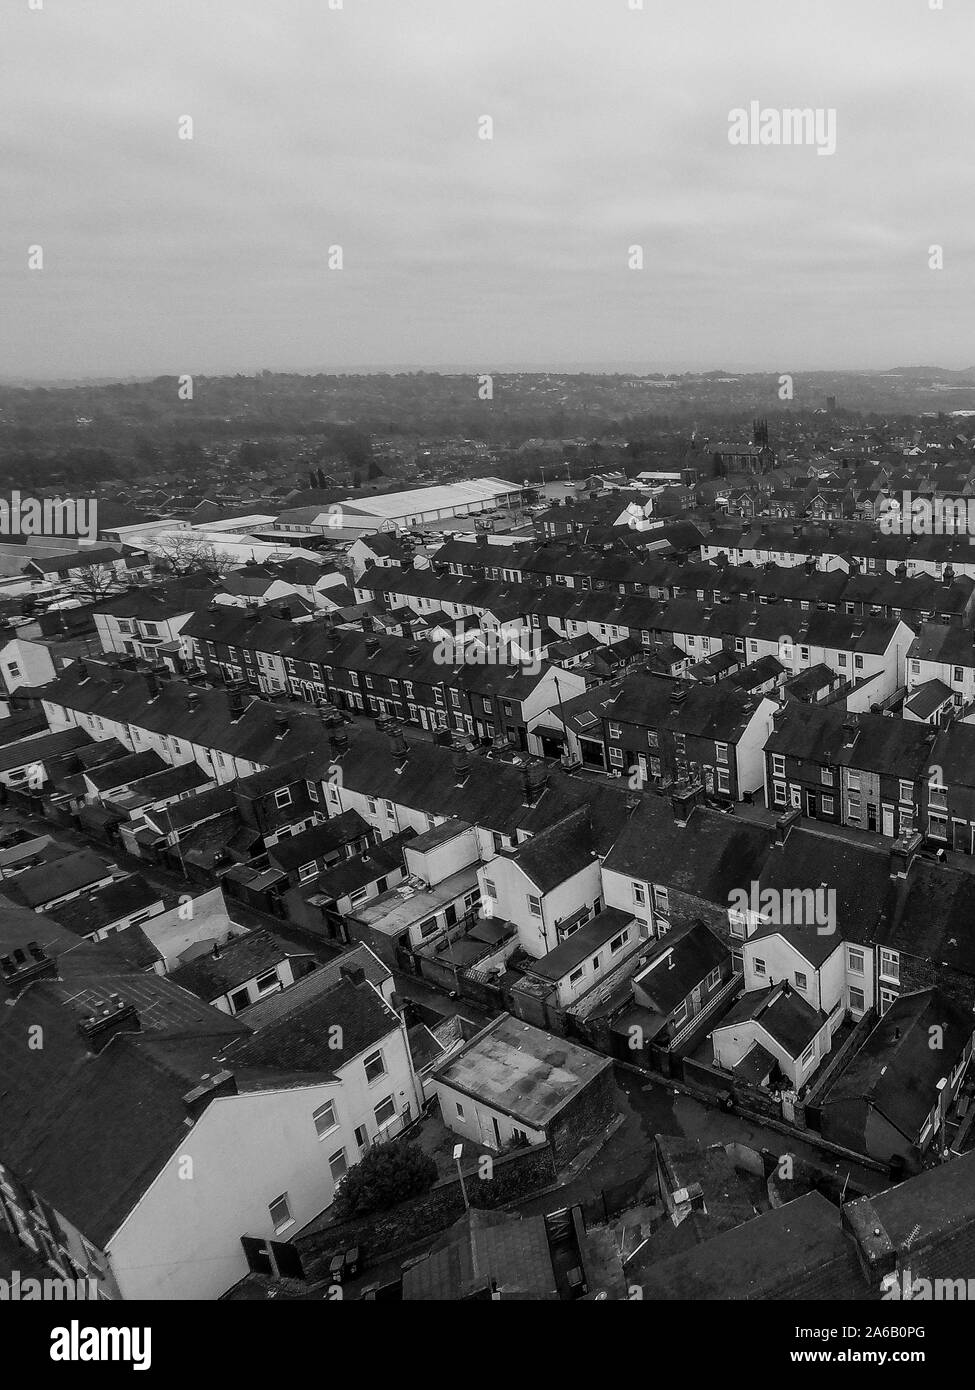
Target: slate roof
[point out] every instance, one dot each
(300, 1041)
(317, 842)
(677, 964)
(482, 1249)
(896, 1071)
(39, 750)
(217, 972)
(782, 1013)
(106, 905)
(797, 1251)
(581, 944)
(558, 852)
(51, 880)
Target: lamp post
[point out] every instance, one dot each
(458, 1151)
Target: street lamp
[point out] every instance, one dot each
(458, 1150)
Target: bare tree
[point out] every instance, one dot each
(188, 553)
(93, 582)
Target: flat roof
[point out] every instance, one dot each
(401, 907)
(519, 1069)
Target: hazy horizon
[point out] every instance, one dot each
(359, 127)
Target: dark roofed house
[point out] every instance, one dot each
(122, 904)
(59, 880)
(893, 1096)
(778, 1020)
(797, 1251)
(238, 973)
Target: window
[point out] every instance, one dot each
(779, 793)
(827, 805)
(324, 1118)
(312, 791)
(374, 1067)
(428, 927)
(615, 730)
(801, 980)
(890, 967)
(577, 975)
(680, 743)
(713, 979)
(724, 783)
(338, 1165)
(616, 756)
(759, 966)
(460, 1110)
(778, 764)
(906, 792)
(239, 1000)
(640, 894)
(489, 889)
(854, 960)
(826, 776)
(938, 827)
(281, 1217)
(268, 980)
(661, 898)
(385, 1111)
(534, 905)
(887, 997)
(721, 752)
(857, 999)
(617, 942)
(680, 1014)
(853, 780)
(306, 871)
(808, 1055)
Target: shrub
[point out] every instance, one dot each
(389, 1174)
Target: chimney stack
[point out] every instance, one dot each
(902, 854)
(535, 778)
(353, 973)
(783, 824)
(462, 764)
(23, 967)
(222, 1083)
(117, 1017)
(684, 797)
(399, 745)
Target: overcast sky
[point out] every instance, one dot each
(358, 127)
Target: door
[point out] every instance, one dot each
(871, 816)
(642, 765)
(423, 718)
(696, 1000)
(811, 804)
(889, 822)
(497, 1130)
